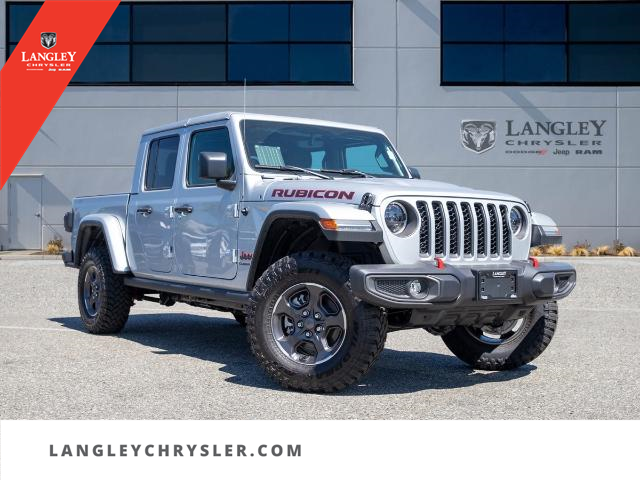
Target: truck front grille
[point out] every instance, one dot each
(461, 229)
(438, 216)
(425, 239)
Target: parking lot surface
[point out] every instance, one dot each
(187, 363)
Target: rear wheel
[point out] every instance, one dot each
(306, 328)
(103, 298)
(507, 346)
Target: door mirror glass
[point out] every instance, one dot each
(213, 165)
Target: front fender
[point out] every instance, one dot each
(113, 232)
(342, 214)
(349, 220)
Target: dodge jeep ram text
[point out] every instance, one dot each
(321, 240)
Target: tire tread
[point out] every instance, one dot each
(355, 364)
(117, 300)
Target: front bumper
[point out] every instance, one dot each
(449, 287)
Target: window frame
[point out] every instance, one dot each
(187, 185)
(567, 43)
(148, 157)
(226, 42)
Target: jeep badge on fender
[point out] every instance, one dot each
(320, 239)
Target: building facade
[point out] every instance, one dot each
(539, 100)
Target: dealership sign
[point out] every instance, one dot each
(478, 136)
(583, 137)
(51, 61)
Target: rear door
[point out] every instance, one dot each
(206, 223)
(150, 216)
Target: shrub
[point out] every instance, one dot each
(579, 251)
(601, 250)
(618, 246)
(55, 247)
(555, 250)
(536, 251)
(627, 252)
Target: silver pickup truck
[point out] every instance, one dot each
(321, 240)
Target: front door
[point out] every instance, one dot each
(25, 212)
(206, 235)
(151, 216)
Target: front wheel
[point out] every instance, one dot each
(306, 328)
(507, 346)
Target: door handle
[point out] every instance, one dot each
(184, 210)
(145, 210)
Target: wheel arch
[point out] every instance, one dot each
(106, 229)
(286, 230)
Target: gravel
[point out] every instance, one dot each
(187, 363)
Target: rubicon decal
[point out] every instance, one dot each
(303, 193)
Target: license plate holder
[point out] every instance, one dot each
(497, 285)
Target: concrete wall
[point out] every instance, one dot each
(88, 143)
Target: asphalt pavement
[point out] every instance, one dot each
(188, 363)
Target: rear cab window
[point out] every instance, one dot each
(161, 163)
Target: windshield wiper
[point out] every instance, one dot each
(349, 171)
(291, 168)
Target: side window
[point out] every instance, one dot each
(215, 140)
(161, 163)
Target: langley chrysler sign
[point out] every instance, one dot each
(583, 137)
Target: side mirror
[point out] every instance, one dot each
(213, 165)
(415, 173)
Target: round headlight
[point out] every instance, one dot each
(395, 216)
(517, 220)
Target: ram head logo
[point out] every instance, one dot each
(48, 39)
(478, 135)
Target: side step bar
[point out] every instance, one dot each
(219, 296)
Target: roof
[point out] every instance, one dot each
(213, 117)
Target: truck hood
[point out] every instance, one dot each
(349, 190)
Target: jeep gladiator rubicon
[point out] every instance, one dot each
(318, 237)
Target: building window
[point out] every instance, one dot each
(543, 43)
(214, 43)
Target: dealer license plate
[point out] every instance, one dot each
(497, 285)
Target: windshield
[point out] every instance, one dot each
(278, 145)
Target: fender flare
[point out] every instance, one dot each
(544, 230)
(113, 233)
(314, 212)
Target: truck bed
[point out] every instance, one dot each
(115, 204)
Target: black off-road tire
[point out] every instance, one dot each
(240, 317)
(115, 298)
(530, 340)
(365, 333)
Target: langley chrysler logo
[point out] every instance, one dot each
(478, 135)
(48, 39)
(48, 61)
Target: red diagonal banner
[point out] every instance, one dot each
(41, 67)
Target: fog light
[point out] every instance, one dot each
(417, 289)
